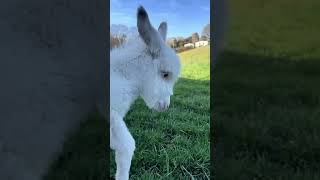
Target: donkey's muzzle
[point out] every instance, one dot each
(161, 106)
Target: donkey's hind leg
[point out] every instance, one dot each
(123, 144)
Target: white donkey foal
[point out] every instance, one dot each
(147, 68)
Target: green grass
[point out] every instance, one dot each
(267, 92)
(170, 145)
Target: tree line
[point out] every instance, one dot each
(179, 42)
(176, 43)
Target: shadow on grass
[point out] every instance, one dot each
(266, 114)
(84, 154)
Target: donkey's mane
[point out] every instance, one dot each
(130, 49)
(129, 57)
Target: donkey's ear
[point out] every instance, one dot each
(146, 31)
(163, 30)
(144, 26)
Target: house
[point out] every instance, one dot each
(189, 45)
(201, 43)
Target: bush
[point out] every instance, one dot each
(116, 41)
(181, 49)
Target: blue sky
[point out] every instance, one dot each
(184, 17)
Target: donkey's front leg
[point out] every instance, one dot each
(124, 145)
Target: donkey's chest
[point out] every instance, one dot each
(122, 94)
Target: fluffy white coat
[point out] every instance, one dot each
(145, 67)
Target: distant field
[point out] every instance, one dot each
(170, 145)
(267, 92)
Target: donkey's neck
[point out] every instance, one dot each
(122, 94)
(127, 66)
(131, 61)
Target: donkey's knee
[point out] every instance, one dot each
(112, 141)
(127, 146)
(124, 144)
(120, 138)
(131, 145)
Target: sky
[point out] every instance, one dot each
(183, 17)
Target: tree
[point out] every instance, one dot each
(116, 41)
(206, 33)
(180, 43)
(188, 39)
(203, 38)
(174, 43)
(195, 37)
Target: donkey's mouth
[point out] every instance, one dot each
(161, 106)
(159, 110)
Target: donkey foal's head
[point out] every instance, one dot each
(164, 65)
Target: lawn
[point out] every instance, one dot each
(170, 145)
(266, 103)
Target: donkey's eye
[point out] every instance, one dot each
(165, 75)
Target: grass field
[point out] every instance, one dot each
(170, 145)
(267, 92)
